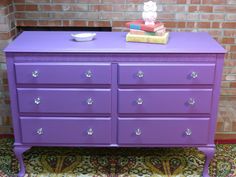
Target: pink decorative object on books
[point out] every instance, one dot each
(149, 13)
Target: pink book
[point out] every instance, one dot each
(140, 25)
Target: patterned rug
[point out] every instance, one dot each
(113, 162)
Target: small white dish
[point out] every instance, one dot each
(83, 36)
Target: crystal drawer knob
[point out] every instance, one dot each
(139, 101)
(194, 75)
(40, 131)
(37, 100)
(89, 101)
(90, 132)
(35, 74)
(138, 132)
(191, 101)
(88, 74)
(188, 132)
(140, 74)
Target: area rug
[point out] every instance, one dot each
(116, 162)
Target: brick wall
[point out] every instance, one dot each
(7, 31)
(218, 17)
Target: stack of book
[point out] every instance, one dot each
(139, 32)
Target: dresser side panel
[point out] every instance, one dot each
(216, 96)
(13, 97)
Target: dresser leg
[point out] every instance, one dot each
(209, 153)
(19, 154)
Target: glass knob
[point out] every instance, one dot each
(40, 131)
(139, 101)
(88, 74)
(35, 73)
(37, 100)
(188, 132)
(90, 132)
(194, 75)
(89, 101)
(140, 74)
(138, 132)
(191, 101)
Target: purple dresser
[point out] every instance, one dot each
(110, 93)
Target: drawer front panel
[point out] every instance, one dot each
(66, 130)
(64, 100)
(163, 131)
(166, 73)
(165, 101)
(63, 73)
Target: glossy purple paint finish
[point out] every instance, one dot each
(63, 89)
(113, 42)
(63, 73)
(64, 100)
(66, 130)
(163, 131)
(164, 101)
(162, 73)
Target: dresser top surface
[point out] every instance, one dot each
(112, 42)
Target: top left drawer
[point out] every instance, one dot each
(63, 73)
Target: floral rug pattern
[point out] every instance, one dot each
(116, 162)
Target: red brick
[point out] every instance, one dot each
(203, 24)
(230, 9)
(215, 17)
(233, 84)
(26, 7)
(26, 22)
(190, 24)
(195, 1)
(233, 48)
(181, 1)
(219, 8)
(217, 2)
(49, 23)
(215, 25)
(119, 23)
(112, 16)
(99, 23)
(51, 7)
(206, 8)
(116, 1)
(229, 25)
(181, 24)
(135, 1)
(125, 7)
(192, 8)
(5, 36)
(170, 24)
(5, 2)
(164, 16)
(230, 32)
(100, 8)
(173, 8)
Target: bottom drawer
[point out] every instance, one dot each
(163, 131)
(66, 130)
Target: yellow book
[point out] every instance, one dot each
(146, 38)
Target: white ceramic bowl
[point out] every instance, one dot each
(83, 36)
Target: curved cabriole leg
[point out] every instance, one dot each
(19, 154)
(209, 153)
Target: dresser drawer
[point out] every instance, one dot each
(66, 130)
(164, 100)
(42, 100)
(163, 131)
(63, 73)
(166, 73)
